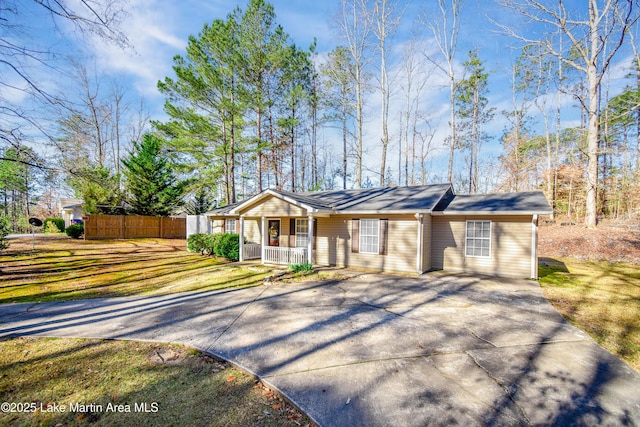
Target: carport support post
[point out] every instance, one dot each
(241, 238)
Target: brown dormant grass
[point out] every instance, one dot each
(61, 268)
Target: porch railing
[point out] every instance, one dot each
(252, 251)
(285, 256)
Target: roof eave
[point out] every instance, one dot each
(512, 213)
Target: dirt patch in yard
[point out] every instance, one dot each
(609, 242)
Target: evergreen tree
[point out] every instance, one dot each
(201, 202)
(5, 229)
(471, 99)
(337, 72)
(151, 186)
(99, 187)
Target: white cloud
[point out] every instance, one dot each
(155, 31)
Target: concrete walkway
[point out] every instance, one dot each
(378, 350)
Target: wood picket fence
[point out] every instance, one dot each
(99, 227)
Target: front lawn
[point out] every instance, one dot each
(119, 383)
(66, 269)
(601, 298)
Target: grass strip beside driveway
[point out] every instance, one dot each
(81, 382)
(67, 269)
(601, 298)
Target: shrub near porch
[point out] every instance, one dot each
(67, 269)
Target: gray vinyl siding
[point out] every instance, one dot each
(333, 245)
(510, 246)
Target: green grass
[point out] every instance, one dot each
(180, 386)
(66, 269)
(601, 298)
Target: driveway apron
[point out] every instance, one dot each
(379, 350)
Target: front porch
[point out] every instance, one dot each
(282, 240)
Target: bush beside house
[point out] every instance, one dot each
(223, 245)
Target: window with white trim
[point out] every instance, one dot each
(302, 232)
(478, 239)
(369, 236)
(230, 226)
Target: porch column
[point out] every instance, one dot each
(241, 238)
(310, 240)
(264, 238)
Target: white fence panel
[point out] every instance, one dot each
(198, 224)
(252, 251)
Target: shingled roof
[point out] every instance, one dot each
(385, 199)
(525, 203)
(437, 199)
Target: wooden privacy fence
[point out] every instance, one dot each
(132, 227)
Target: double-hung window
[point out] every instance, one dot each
(230, 226)
(369, 236)
(302, 232)
(478, 239)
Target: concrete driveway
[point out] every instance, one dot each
(378, 350)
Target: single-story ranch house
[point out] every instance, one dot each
(402, 229)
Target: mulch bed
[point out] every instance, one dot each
(609, 242)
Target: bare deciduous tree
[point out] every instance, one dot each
(445, 27)
(386, 17)
(355, 27)
(22, 55)
(607, 23)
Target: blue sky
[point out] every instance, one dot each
(158, 30)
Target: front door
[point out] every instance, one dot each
(273, 231)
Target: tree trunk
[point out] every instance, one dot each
(344, 148)
(452, 118)
(638, 117)
(359, 119)
(293, 151)
(385, 110)
(259, 151)
(592, 149)
(232, 142)
(593, 125)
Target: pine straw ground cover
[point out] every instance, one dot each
(126, 383)
(65, 269)
(583, 277)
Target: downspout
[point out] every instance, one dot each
(534, 248)
(419, 245)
